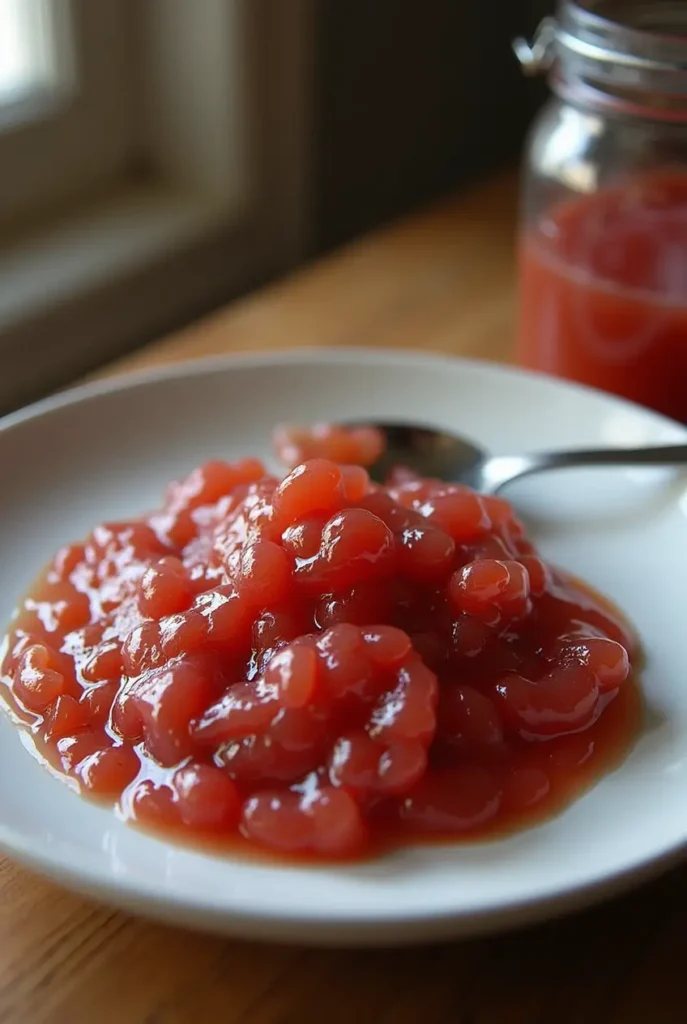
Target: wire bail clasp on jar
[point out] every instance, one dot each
(539, 55)
(635, 65)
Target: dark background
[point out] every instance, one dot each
(413, 99)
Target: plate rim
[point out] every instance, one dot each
(198, 366)
(332, 927)
(233, 917)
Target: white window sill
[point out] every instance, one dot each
(138, 263)
(100, 246)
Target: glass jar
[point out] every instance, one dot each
(603, 241)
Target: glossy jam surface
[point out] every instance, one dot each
(604, 292)
(320, 666)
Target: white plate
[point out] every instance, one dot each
(107, 450)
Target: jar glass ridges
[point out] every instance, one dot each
(603, 242)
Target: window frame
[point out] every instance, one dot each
(188, 226)
(72, 134)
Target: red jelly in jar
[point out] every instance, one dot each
(603, 245)
(603, 294)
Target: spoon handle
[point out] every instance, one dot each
(500, 470)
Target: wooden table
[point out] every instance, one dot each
(442, 280)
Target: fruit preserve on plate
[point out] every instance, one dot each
(603, 247)
(318, 665)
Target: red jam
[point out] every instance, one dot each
(604, 292)
(318, 665)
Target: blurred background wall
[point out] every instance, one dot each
(161, 157)
(412, 100)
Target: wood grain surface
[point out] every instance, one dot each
(442, 280)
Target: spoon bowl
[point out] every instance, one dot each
(430, 453)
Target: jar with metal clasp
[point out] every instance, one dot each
(603, 233)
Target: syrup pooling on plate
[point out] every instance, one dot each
(319, 665)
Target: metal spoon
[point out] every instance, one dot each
(435, 453)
